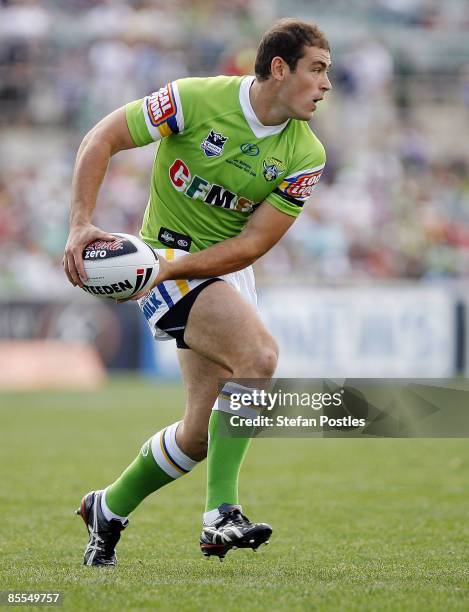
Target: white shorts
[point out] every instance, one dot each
(163, 297)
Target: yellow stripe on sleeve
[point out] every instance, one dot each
(165, 130)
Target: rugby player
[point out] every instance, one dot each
(235, 164)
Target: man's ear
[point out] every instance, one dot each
(279, 68)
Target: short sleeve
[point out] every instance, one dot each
(156, 116)
(293, 191)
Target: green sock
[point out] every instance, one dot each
(142, 477)
(159, 462)
(224, 459)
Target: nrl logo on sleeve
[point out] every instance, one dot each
(213, 144)
(161, 105)
(273, 168)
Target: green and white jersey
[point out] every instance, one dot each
(216, 162)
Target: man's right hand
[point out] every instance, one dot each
(78, 238)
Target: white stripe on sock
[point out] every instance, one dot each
(108, 513)
(170, 459)
(213, 515)
(225, 403)
(210, 517)
(176, 453)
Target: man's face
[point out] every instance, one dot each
(302, 89)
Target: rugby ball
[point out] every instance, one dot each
(119, 269)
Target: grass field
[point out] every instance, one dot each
(358, 524)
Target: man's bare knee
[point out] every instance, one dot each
(259, 360)
(265, 363)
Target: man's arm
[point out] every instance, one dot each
(263, 230)
(106, 138)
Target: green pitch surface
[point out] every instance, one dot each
(358, 524)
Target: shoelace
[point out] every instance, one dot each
(95, 541)
(106, 546)
(235, 518)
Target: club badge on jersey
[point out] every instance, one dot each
(273, 168)
(213, 144)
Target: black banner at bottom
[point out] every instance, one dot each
(352, 408)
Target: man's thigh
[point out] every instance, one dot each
(223, 327)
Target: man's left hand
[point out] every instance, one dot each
(163, 274)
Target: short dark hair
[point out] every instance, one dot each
(287, 39)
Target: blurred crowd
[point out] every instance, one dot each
(393, 202)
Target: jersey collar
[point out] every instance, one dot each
(259, 129)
